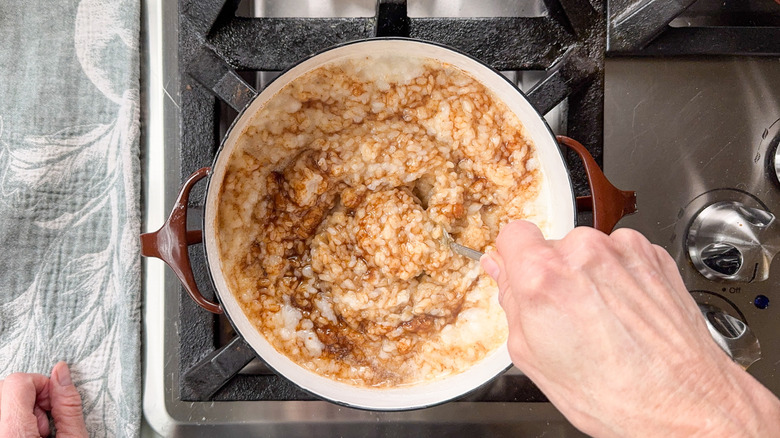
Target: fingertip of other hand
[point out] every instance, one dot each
(66, 409)
(61, 374)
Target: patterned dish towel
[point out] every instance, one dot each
(69, 200)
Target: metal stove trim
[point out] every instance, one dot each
(158, 114)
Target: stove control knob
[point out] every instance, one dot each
(732, 335)
(777, 157)
(731, 241)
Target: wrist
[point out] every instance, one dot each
(746, 407)
(721, 400)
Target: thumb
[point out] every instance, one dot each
(66, 404)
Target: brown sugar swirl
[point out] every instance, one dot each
(329, 220)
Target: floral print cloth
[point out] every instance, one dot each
(69, 200)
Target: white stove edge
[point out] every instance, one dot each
(155, 416)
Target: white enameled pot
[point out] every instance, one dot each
(170, 242)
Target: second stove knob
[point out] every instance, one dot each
(732, 335)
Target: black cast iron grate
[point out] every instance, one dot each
(569, 43)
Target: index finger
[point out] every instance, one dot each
(19, 393)
(518, 235)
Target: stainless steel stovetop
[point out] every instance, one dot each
(684, 133)
(690, 134)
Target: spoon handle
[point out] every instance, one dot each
(465, 251)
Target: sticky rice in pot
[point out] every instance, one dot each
(330, 213)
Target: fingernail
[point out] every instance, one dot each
(63, 376)
(490, 266)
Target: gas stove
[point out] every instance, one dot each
(679, 102)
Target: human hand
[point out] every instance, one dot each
(607, 330)
(25, 398)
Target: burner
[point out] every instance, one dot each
(215, 44)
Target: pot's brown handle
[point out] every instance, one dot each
(170, 242)
(608, 203)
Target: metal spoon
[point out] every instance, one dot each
(457, 247)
